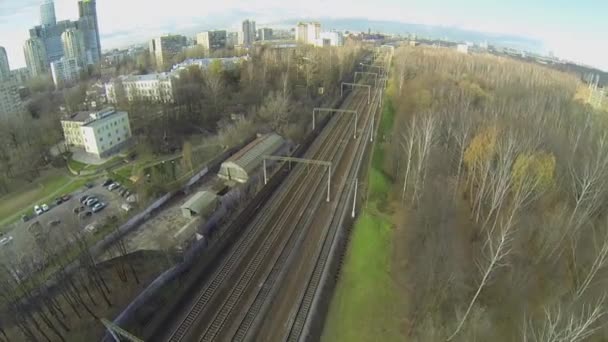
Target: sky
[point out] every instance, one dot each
(572, 29)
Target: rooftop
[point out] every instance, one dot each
(87, 117)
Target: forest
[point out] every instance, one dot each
(499, 200)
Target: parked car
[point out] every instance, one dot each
(85, 215)
(66, 197)
(91, 201)
(6, 240)
(58, 201)
(45, 207)
(89, 185)
(126, 207)
(25, 218)
(54, 223)
(127, 194)
(38, 210)
(107, 182)
(114, 186)
(79, 209)
(98, 207)
(123, 191)
(83, 198)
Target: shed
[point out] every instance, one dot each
(200, 204)
(240, 166)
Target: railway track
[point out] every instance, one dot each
(215, 303)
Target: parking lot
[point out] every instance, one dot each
(57, 225)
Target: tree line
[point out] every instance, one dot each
(502, 183)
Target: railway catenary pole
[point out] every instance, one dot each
(304, 161)
(367, 73)
(369, 89)
(355, 197)
(381, 68)
(331, 110)
(265, 175)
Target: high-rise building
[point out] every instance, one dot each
(166, 47)
(87, 22)
(248, 29)
(50, 35)
(10, 101)
(211, 40)
(73, 46)
(331, 38)
(232, 39)
(5, 70)
(265, 34)
(47, 13)
(35, 56)
(65, 71)
(308, 33)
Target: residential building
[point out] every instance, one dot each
(331, 38)
(166, 47)
(65, 71)
(5, 69)
(47, 13)
(21, 75)
(212, 40)
(87, 23)
(101, 133)
(232, 39)
(228, 63)
(10, 101)
(153, 87)
(462, 48)
(73, 46)
(248, 29)
(265, 34)
(308, 33)
(35, 56)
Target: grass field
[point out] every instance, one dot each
(56, 183)
(365, 303)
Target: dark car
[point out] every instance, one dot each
(58, 201)
(85, 215)
(122, 192)
(84, 198)
(89, 185)
(78, 209)
(25, 218)
(107, 182)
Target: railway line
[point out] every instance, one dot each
(230, 305)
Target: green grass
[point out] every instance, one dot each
(76, 166)
(14, 205)
(364, 306)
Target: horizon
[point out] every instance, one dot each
(570, 32)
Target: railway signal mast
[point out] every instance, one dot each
(331, 110)
(303, 161)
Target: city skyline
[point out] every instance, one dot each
(571, 31)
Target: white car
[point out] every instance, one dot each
(38, 210)
(114, 186)
(6, 240)
(45, 207)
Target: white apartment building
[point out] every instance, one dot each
(65, 70)
(152, 87)
(308, 33)
(332, 38)
(228, 63)
(101, 133)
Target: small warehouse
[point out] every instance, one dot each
(239, 167)
(200, 204)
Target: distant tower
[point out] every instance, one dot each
(73, 45)
(87, 14)
(5, 70)
(35, 56)
(47, 13)
(248, 32)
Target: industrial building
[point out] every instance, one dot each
(200, 204)
(240, 166)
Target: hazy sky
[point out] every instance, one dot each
(573, 29)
